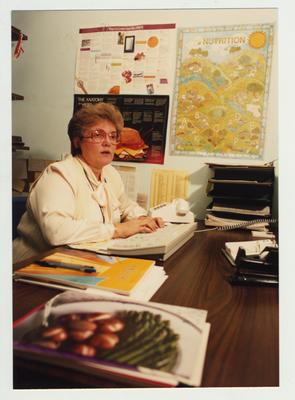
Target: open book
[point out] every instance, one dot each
(146, 343)
(139, 278)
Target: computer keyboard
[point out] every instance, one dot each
(164, 240)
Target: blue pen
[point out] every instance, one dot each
(59, 264)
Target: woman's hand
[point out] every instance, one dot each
(138, 225)
(158, 220)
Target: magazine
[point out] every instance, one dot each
(146, 343)
(139, 278)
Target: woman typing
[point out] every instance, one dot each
(82, 198)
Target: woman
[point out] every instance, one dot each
(82, 198)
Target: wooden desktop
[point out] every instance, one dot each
(243, 347)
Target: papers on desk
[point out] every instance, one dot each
(252, 247)
(255, 262)
(146, 343)
(235, 208)
(119, 276)
(246, 223)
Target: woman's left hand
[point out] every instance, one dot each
(141, 224)
(152, 223)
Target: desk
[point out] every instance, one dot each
(243, 347)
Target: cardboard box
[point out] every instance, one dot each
(18, 185)
(19, 168)
(26, 171)
(36, 165)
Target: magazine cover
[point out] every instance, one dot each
(117, 274)
(146, 343)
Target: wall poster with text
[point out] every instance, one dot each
(222, 86)
(143, 137)
(124, 59)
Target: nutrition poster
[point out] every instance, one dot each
(124, 59)
(143, 137)
(221, 95)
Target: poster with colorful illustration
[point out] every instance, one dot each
(124, 59)
(143, 138)
(222, 85)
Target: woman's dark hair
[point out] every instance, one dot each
(89, 115)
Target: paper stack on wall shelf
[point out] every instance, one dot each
(246, 223)
(18, 144)
(240, 193)
(146, 343)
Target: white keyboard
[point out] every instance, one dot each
(163, 241)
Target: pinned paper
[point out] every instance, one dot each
(167, 185)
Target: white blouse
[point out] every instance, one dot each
(67, 205)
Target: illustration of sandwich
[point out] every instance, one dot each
(131, 146)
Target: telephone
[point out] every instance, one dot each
(176, 212)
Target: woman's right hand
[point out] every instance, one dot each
(137, 225)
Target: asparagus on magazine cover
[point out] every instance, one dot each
(144, 342)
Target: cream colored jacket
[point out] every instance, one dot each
(68, 205)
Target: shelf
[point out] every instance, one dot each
(18, 144)
(15, 34)
(17, 96)
(20, 148)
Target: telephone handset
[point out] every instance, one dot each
(177, 212)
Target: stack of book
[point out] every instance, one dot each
(91, 273)
(241, 195)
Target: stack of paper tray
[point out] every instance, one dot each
(240, 193)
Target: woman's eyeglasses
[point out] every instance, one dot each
(99, 135)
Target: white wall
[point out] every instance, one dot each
(44, 74)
